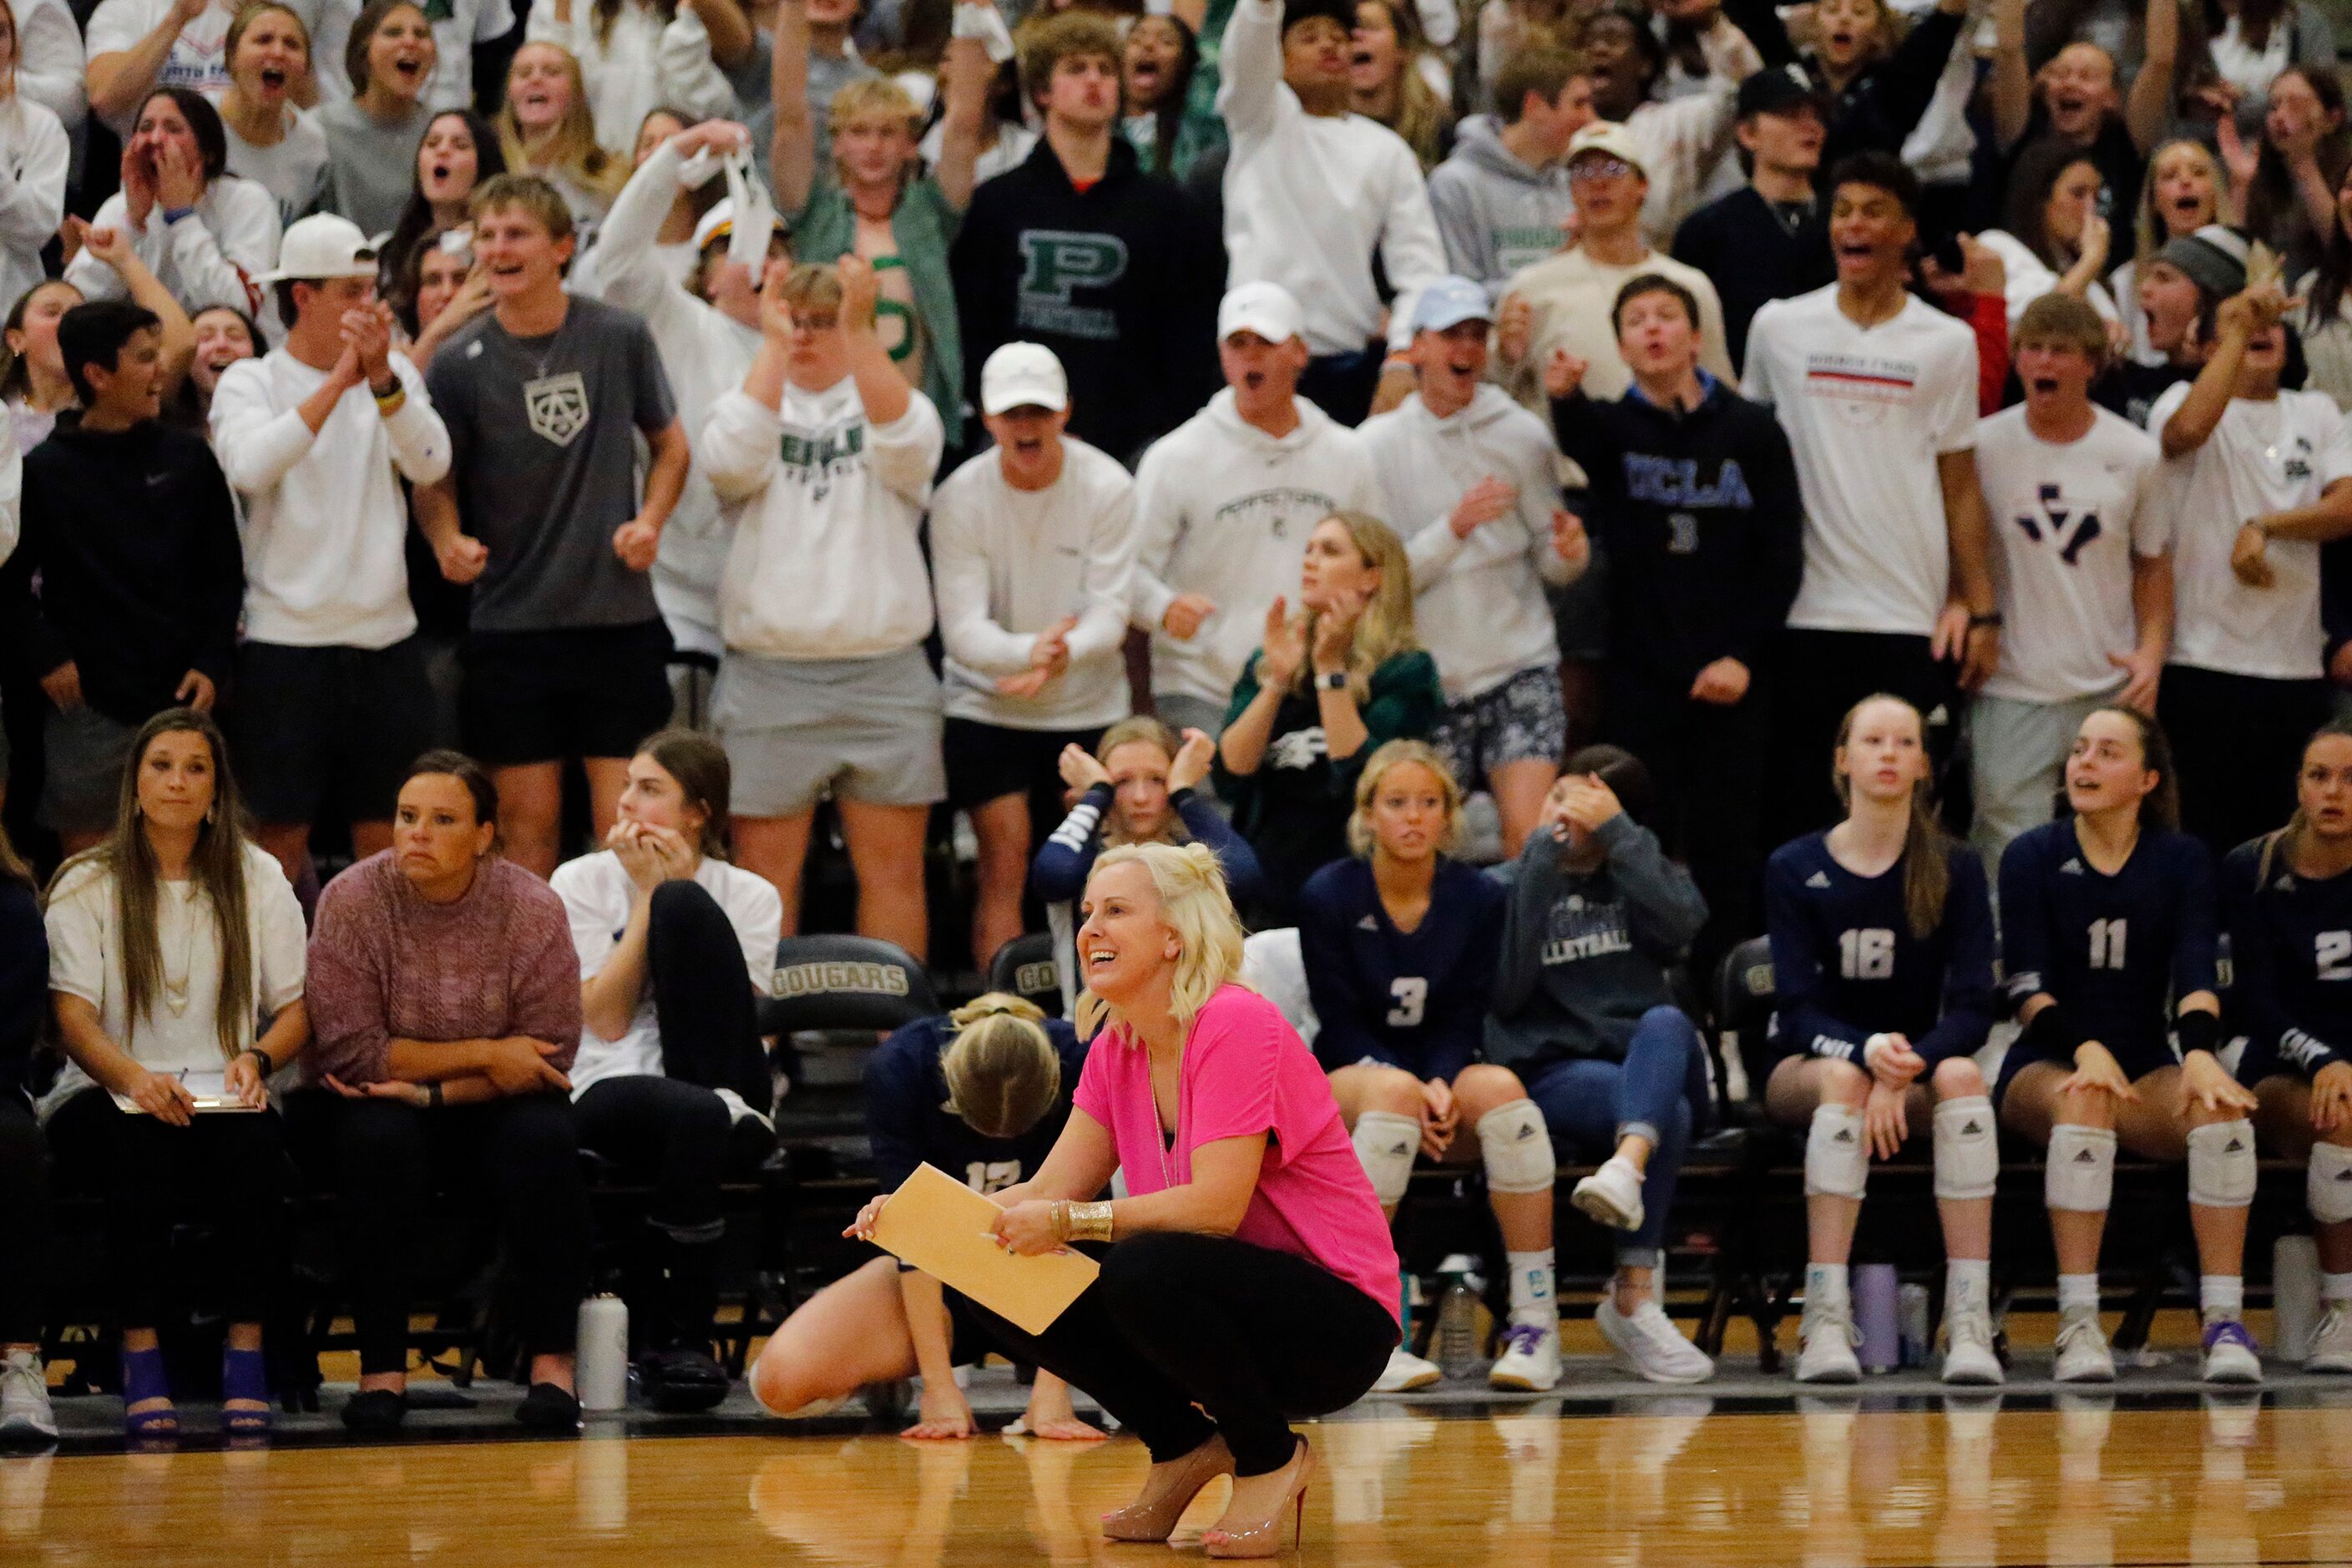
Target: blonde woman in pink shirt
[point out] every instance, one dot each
(1250, 1229)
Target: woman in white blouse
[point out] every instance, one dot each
(167, 941)
(33, 158)
(205, 233)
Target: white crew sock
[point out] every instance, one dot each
(2223, 1296)
(1825, 1283)
(2077, 1293)
(1531, 1287)
(1967, 1283)
(2335, 1287)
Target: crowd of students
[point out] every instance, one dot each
(1252, 424)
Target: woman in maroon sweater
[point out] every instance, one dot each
(444, 998)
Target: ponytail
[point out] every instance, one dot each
(1001, 1070)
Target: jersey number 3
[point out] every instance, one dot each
(1866, 955)
(1411, 993)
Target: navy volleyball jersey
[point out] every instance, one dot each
(1415, 1000)
(1845, 964)
(2291, 954)
(2118, 952)
(906, 1114)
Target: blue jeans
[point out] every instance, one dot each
(1590, 1104)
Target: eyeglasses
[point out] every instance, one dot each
(1602, 168)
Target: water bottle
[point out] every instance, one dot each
(1455, 1341)
(2295, 1296)
(1912, 1336)
(604, 1357)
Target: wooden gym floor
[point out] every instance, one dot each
(1895, 1474)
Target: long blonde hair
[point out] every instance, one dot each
(570, 149)
(1002, 1072)
(1194, 904)
(1385, 628)
(216, 867)
(1927, 848)
(1396, 754)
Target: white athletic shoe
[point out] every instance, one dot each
(2082, 1352)
(1967, 1347)
(1405, 1372)
(2230, 1354)
(1827, 1334)
(1647, 1340)
(2331, 1339)
(25, 1410)
(1611, 1194)
(738, 1109)
(1531, 1360)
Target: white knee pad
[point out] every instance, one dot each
(1385, 1143)
(1967, 1158)
(1516, 1148)
(1836, 1162)
(2221, 1164)
(2079, 1174)
(2327, 1186)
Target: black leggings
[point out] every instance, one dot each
(386, 1156)
(1252, 1336)
(676, 1136)
(25, 1199)
(229, 1165)
(709, 1018)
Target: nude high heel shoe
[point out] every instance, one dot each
(1151, 1518)
(1263, 1537)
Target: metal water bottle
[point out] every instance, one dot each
(603, 1353)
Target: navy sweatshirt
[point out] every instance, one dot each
(1699, 517)
(908, 1119)
(1121, 280)
(1585, 955)
(2291, 950)
(134, 539)
(2111, 950)
(1845, 965)
(1415, 1000)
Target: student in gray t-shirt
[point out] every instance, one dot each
(542, 513)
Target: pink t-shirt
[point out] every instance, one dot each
(1246, 1071)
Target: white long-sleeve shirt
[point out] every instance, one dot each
(1007, 563)
(706, 355)
(1223, 510)
(325, 524)
(1309, 197)
(635, 68)
(826, 507)
(34, 156)
(1479, 603)
(50, 65)
(1684, 139)
(209, 258)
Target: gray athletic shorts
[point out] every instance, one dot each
(1523, 719)
(865, 729)
(81, 778)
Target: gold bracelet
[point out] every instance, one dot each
(1087, 1222)
(1061, 1219)
(388, 403)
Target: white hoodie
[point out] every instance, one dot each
(707, 354)
(826, 508)
(1308, 197)
(1223, 510)
(1479, 603)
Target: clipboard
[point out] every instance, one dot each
(939, 1226)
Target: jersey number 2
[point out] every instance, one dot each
(2334, 948)
(1867, 953)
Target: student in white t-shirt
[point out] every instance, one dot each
(1877, 390)
(671, 1083)
(137, 46)
(1032, 543)
(2255, 479)
(2085, 578)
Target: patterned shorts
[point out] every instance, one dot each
(1520, 720)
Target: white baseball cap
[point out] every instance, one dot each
(320, 246)
(720, 221)
(1022, 375)
(1266, 309)
(1610, 140)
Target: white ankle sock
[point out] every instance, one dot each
(1968, 1282)
(1531, 1286)
(2335, 1287)
(1825, 1283)
(2221, 1296)
(2078, 1292)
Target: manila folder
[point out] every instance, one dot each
(940, 1227)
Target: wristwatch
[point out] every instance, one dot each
(262, 1058)
(1336, 680)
